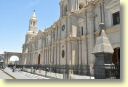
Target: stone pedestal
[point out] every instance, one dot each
(101, 60)
(103, 52)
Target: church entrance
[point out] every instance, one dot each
(116, 56)
(39, 59)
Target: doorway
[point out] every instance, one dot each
(39, 59)
(116, 56)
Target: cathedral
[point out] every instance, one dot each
(71, 39)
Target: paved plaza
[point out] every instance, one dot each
(8, 73)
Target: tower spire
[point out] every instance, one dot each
(34, 13)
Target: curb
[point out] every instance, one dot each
(9, 74)
(41, 75)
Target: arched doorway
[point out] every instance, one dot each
(14, 60)
(8, 55)
(39, 59)
(116, 56)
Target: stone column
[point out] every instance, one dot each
(84, 55)
(70, 60)
(46, 57)
(55, 55)
(92, 40)
(61, 9)
(74, 56)
(74, 53)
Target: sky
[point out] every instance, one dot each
(15, 16)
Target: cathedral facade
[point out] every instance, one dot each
(71, 40)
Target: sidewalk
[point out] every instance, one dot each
(3, 75)
(41, 75)
(22, 75)
(52, 75)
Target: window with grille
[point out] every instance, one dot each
(116, 18)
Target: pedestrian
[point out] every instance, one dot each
(14, 67)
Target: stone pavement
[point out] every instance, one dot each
(26, 75)
(22, 75)
(52, 75)
(4, 75)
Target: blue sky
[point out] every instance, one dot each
(14, 20)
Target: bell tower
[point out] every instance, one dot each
(33, 23)
(33, 27)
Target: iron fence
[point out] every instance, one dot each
(110, 71)
(107, 71)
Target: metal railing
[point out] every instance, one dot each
(110, 71)
(107, 71)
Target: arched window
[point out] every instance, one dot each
(65, 9)
(63, 53)
(82, 31)
(63, 27)
(54, 36)
(34, 23)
